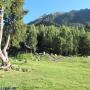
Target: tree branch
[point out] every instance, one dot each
(6, 47)
(28, 47)
(7, 43)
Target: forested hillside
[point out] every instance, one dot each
(81, 16)
(62, 33)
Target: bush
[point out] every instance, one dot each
(26, 57)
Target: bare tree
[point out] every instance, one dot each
(3, 52)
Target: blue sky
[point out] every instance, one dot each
(39, 7)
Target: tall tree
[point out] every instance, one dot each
(84, 44)
(11, 7)
(31, 40)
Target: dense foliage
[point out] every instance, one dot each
(65, 40)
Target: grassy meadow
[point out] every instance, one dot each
(46, 72)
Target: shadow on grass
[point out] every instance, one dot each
(9, 88)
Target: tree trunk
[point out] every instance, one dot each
(4, 53)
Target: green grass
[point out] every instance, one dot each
(68, 73)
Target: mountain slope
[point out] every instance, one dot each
(81, 16)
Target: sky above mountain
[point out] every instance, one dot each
(38, 8)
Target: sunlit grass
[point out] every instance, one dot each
(70, 73)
